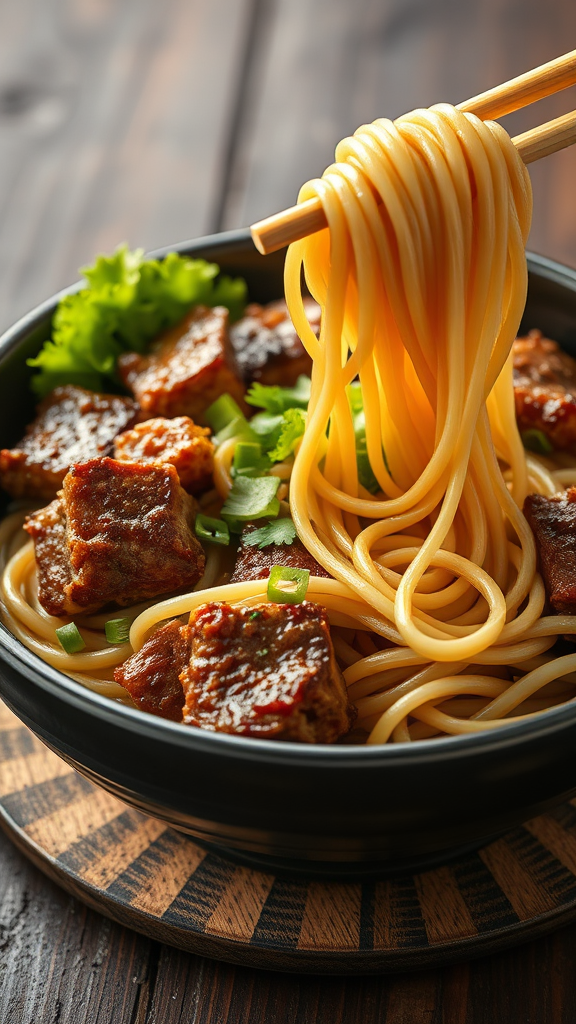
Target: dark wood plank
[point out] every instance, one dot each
(113, 122)
(494, 989)
(60, 962)
(327, 66)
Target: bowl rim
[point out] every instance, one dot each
(14, 653)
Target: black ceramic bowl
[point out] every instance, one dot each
(327, 810)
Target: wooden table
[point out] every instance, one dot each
(152, 122)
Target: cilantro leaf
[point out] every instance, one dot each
(267, 427)
(275, 399)
(292, 428)
(127, 301)
(250, 498)
(280, 531)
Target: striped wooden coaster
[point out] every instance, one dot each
(151, 878)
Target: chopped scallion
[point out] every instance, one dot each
(536, 441)
(238, 427)
(365, 473)
(287, 585)
(70, 639)
(117, 631)
(249, 460)
(251, 498)
(222, 412)
(214, 531)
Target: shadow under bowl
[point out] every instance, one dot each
(328, 811)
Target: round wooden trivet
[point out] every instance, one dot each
(149, 877)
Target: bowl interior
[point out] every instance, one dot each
(551, 306)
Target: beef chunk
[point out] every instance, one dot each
(545, 389)
(72, 425)
(188, 367)
(553, 523)
(254, 563)
(129, 532)
(267, 671)
(151, 676)
(128, 536)
(178, 441)
(267, 347)
(47, 527)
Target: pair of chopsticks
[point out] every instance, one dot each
(304, 219)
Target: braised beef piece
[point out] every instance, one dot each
(71, 425)
(553, 523)
(267, 671)
(128, 536)
(267, 347)
(254, 563)
(178, 441)
(47, 527)
(545, 389)
(187, 368)
(151, 676)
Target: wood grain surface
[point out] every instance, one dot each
(153, 122)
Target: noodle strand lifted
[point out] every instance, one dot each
(421, 296)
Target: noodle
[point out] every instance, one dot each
(421, 297)
(435, 601)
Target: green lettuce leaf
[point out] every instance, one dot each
(127, 301)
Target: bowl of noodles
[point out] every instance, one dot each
(459, 673)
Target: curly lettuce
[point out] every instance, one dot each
(127, 301)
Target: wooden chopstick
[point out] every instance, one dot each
(556, 75)
(547, 138)
(277, 231)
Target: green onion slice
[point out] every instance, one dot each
(251, 498)
(214, 531)
(249, 460)
(365, 473)
(117, 631)
(287, 585)
(238, 427)
(70, 639)
(222, 412)
(536, 441)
